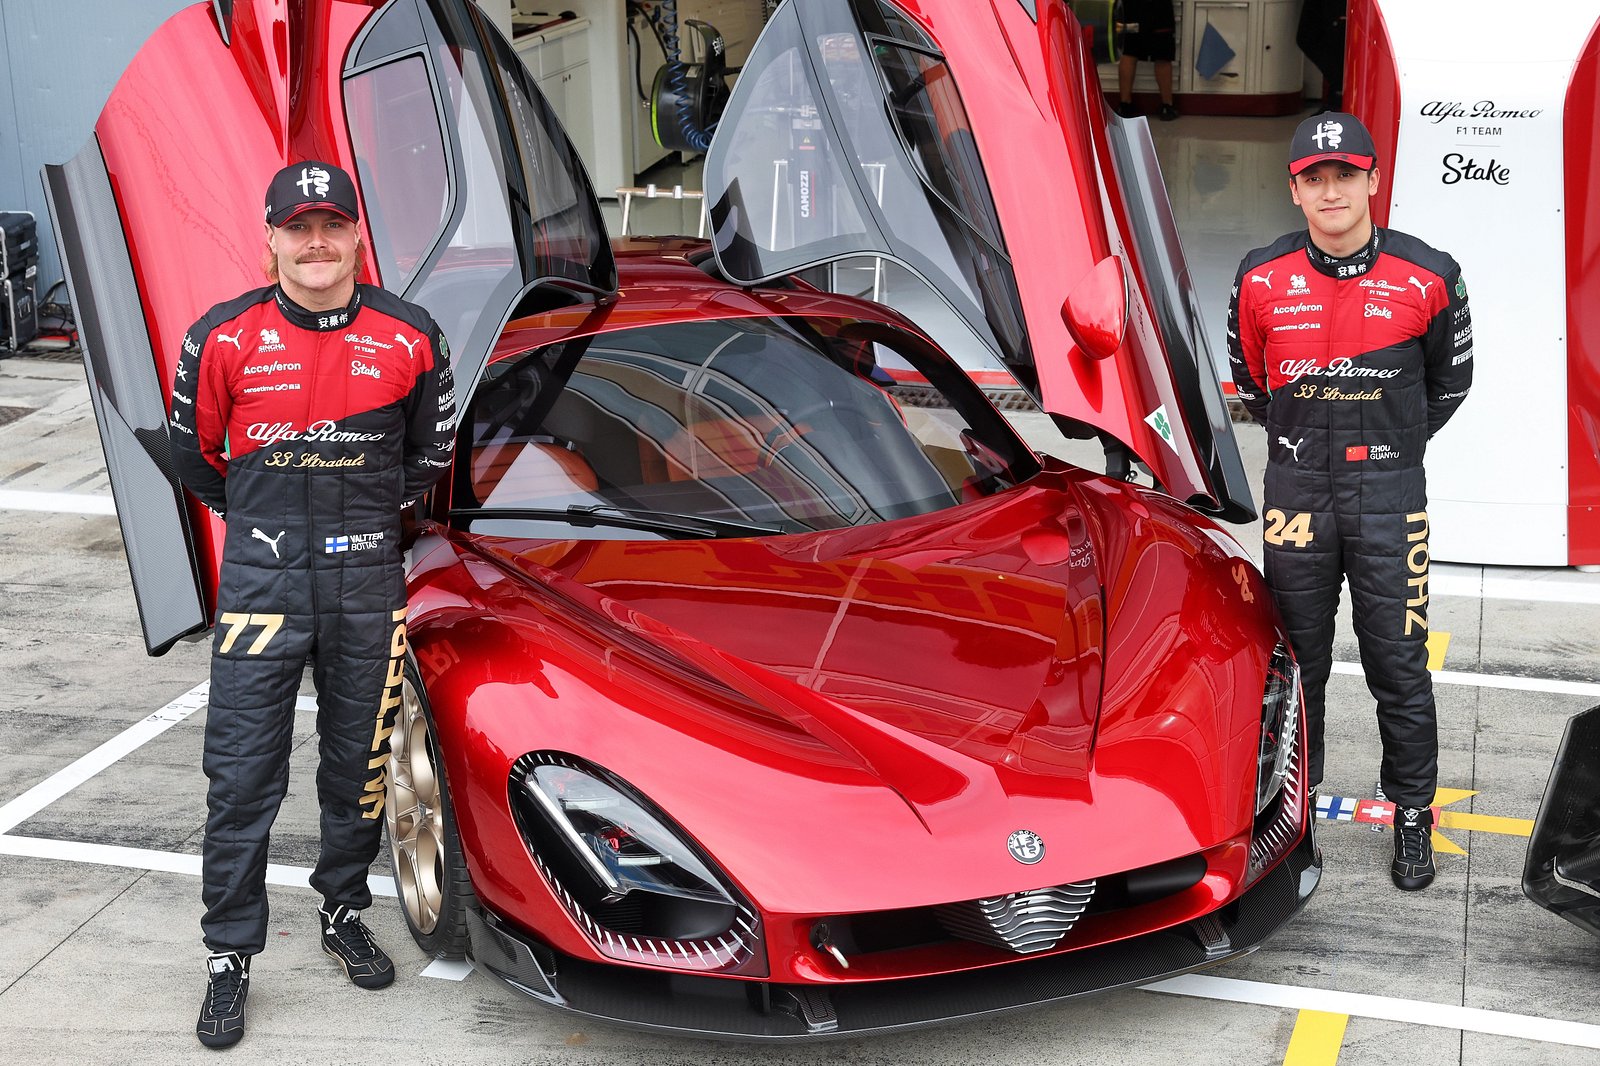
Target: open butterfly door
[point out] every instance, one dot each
(968, 142)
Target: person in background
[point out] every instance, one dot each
(1321, 37)
(1145, 30)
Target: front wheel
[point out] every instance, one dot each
(430, 871)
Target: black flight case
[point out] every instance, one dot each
(19, 266)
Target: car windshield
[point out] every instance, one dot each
(737, 427)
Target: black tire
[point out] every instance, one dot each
(430, 871)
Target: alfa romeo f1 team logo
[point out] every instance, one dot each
(1025, 846)
(1328, 134)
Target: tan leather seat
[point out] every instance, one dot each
(529, 474)
(718, 447)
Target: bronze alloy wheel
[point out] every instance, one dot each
(415, 813)
(430, 870)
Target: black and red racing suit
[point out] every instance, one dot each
(1353, 364)
(307, 431)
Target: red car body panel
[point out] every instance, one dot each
(1373, 90)
(1582, 157)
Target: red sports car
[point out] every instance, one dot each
(762, 682)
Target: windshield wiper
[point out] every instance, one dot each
(607, 514)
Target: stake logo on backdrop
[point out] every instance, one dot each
(1481, 125)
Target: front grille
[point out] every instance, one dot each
(1023, 922)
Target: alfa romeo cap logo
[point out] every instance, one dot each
(1328, 134)
(313, 178)
(1025, 846)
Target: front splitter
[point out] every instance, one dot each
(722, 1008)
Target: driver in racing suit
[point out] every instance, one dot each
(306, 413)
(1353, 345)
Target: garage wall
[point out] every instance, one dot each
(61, 59)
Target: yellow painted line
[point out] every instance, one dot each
(1486, 823)
(1443, 797)
(1317, 1039)
(1438, 644)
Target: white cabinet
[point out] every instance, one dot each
(1266, 61)
(1231, 19)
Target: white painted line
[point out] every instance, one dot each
(65, 502)
(448, 969)
(1551, 586)
(171, 862)
(65, 780)
(120, 746)
(1505, 681)
(1407, 1011)
(1442, 1015)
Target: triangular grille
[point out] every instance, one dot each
(1023, 922)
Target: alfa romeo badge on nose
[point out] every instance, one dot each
(1025, 846)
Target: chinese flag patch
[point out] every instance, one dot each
(1355, 453)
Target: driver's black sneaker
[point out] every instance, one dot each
(1413, 848)
(350, 943)
(221, 1021)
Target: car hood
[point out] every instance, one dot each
(981, 635)
(857, 720)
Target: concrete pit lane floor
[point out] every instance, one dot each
(102, 803)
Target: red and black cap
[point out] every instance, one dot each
(307, 186)
(1331, 135)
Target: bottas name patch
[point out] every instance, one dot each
(350, 542)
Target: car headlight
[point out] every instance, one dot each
(624, 846)
(631, 878)
(1280, 720)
